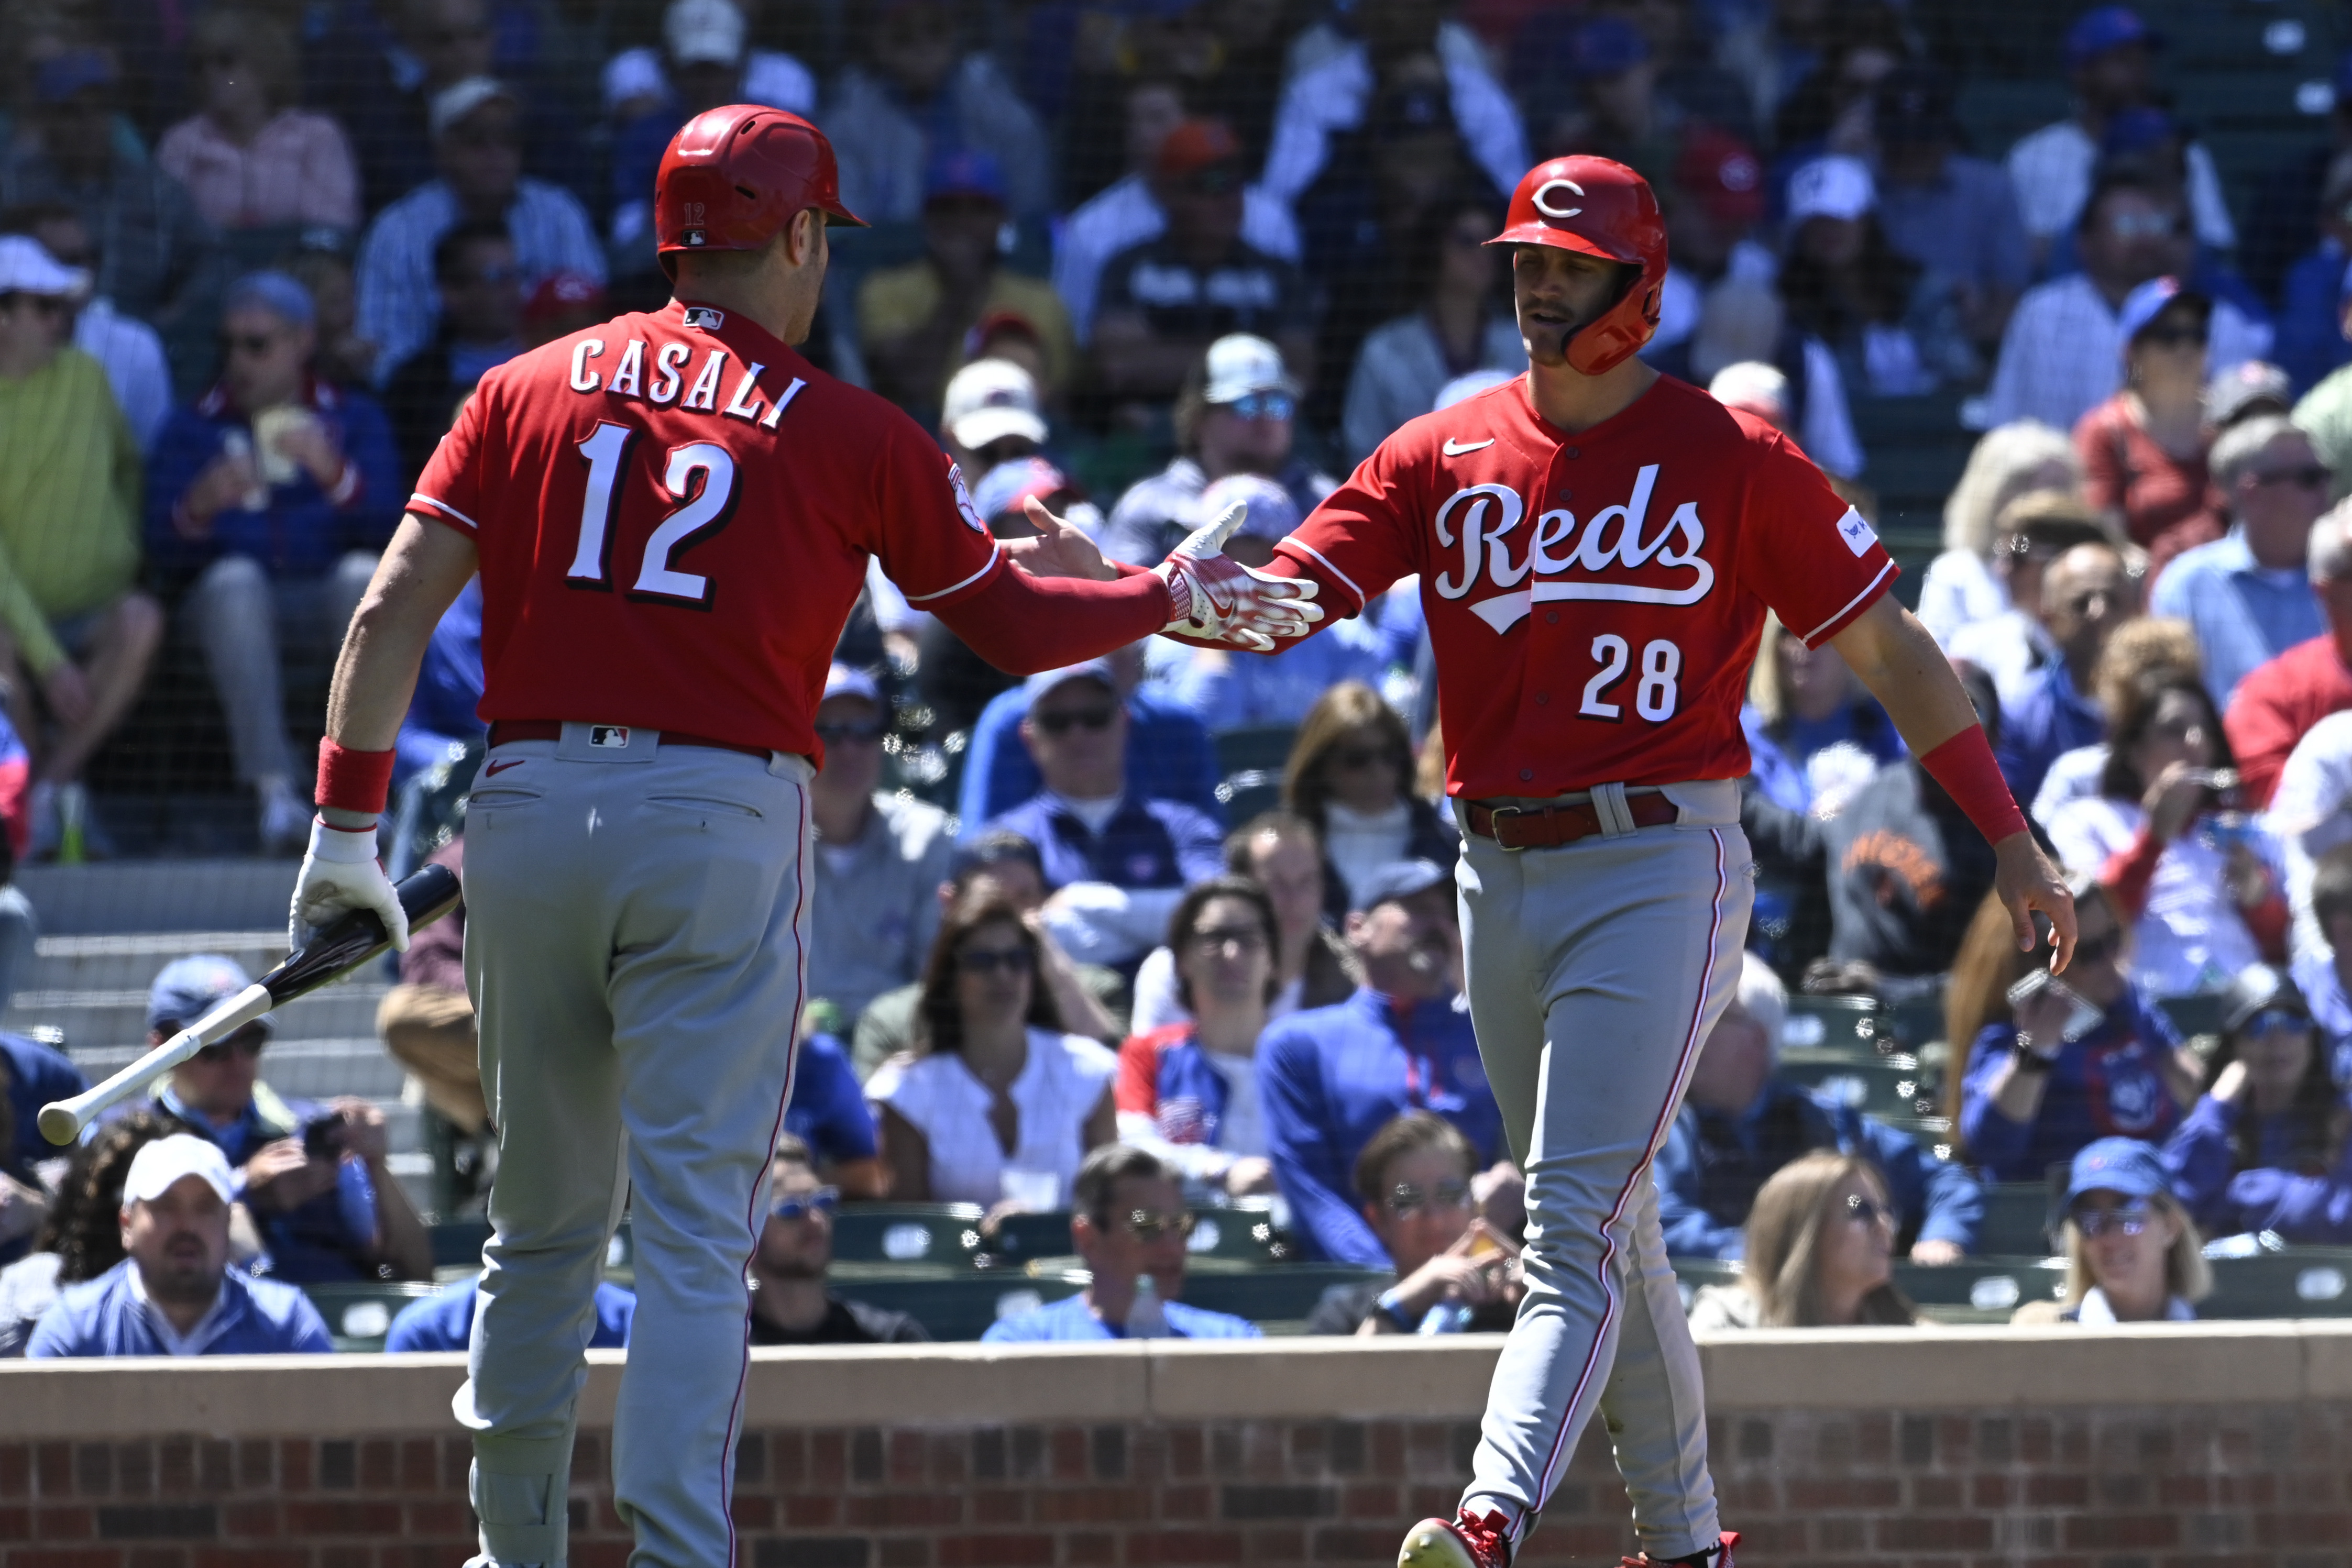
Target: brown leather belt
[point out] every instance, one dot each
(505, 729)
(1549, 827)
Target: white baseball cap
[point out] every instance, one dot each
(989, 400)
(158, 1167)
(1037, 686)
(1833, 187)
(703, 31)
(843, 681)
(1470, 384)
(1241, 364)
(458, 99)
(27, 267)
(1754, 386)
(1273, 514)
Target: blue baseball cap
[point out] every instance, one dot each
(2124, 1165)
(2097, 32)
(63, 75)
(2146, 303)
(2135, 130)
(188, 987)
(1606, 47)
(278, 293)
(964, 174)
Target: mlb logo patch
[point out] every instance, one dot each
(614, 736)
(706, 317)
(1856, 531)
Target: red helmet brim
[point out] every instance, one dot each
(1560, 239)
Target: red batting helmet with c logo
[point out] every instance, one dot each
(1604, 209)
(734, 176)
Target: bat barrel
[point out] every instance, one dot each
(62, 1121)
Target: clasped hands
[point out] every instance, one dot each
(1212, 598)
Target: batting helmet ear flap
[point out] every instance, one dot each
(1599, 208)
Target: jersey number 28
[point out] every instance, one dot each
(1655, 695)
(700, 475)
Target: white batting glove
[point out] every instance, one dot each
(1217, 599)
(339, 871)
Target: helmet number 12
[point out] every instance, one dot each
(700, 475)
(1654, 695)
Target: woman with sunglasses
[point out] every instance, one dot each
(2265, 1149)
(1820, 1253)
(2166, 837)
(1350, 775)
(1967, 584)
(2132, 1255)
(2143, 450)
(997, 1105)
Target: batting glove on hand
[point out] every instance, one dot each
(340, 872)
(1218, 599)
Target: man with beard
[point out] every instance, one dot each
(790, 1303)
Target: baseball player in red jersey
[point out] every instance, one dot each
(671, 514)
(1597, 544)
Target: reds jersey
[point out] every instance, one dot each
(1594, 600)
(674, 513)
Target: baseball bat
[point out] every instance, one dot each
(357, 937)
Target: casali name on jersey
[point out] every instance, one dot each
(1483, 520)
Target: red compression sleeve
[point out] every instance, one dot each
(2127, 873)
(1964, 767)
(1023, 624)
(353, 781)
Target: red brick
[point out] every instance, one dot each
(906, 1510)
(1183, 1546)
(1187, 1503)
(53, 1470)
(341, 1518)
(905, 1552)
(2099, 1533)
(753, 1512)
(1936, 1491)
(1963, 1533)
(1096, 1505)
(1067, 1446)
(440, 1516)
(787, 1458)
(995, 1551)
(294, 1462)
(1001, 1508)
(245, 1557)
(810, 1512)
(65, 1524)
(1090, 1551)
(16, 1470)
(69, 1557)
(1187, 1453)
(1369, 1500)
(420, 1464)
(157, 1557)
(599, 1554)
(249, 1520)
(1845, 1492)
(828, 1458)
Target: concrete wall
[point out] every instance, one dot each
(2153, 1447)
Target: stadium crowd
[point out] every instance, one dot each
(1175, 931)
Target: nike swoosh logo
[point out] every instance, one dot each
(1456, 448)
(495, 768)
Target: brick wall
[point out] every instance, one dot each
(2206, 1482)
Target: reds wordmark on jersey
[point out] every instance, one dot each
(674, 512)
(1595, 599)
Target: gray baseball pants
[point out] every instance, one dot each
(636, 943)
(1595, 972)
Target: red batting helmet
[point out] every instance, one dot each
(734, 176)
(1603, 209)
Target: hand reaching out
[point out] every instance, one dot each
(1059, 550)
(1217, 599)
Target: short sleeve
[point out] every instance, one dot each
(1812, 558)
(451, 489)
(1139, 1065)
(931, 541)
(1357, 540)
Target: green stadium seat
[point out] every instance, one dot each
(1979, 1289)
(1244, 1236)
(1843, 1024)
(1692, 1274)
(2016, 1219)
(457, 1243)
(2299, 1282)
(1263, 748)
(1284, 1292)
(953, 1306)
(359, 1314)
(1997, 113)
(1883, 1086)
(2194, 1015)
(1249, 794)
(932, 1233)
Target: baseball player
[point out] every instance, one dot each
(1597, 546)
(671, 514)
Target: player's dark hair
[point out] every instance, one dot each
(1101, 1173)
(84, 1227)
(1409, 1134)
(2331, 887)
(938, 1020)
(1197, 898)
(2136, 715)
(449, 250)
(1348, 707)
(1265, 825)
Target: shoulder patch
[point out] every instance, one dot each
(1856, 531)
(972, 517)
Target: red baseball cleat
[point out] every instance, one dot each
(1715, 1556)
(1463, 1542)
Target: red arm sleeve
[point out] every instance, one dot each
(2097, 446)
(2261, 737)
(1137, 1089)
(2129, 871)
(1023, 624)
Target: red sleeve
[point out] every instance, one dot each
(451, 488)
(922, 525)
(1137, 1089)
(2268, 921)
(1023, 624)
(1361, 537)
(2097, 447)
(2128, 872)
(2260, 737)
(1803, 550)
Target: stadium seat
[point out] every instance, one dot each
(359, 1315)
(1846, 1024)
(945, 1233)
(1249, 794)
(953, 1306)
(2298, 1282)
(1979, 1289)
(2016, 1221)
(1883, 1086)
(1262, 747)
(1693, 1273)
(2194, 1015)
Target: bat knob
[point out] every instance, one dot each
(59, 1124)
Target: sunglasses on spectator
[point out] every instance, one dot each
(46, 304)
(996, 961)
(2312, 476)
(1409, 1198)
(1087, 717)
(2129, 1220)
(245, 1043)
(2144, 226)
(1865, 1211)
(254, 343)
(826, 1198)
(2080, 603)
(2173, 337)
(2275, 1020)
(1348, 759)
(864, 733)
(1148, 1227)
(1248, 938)
(1262, 405)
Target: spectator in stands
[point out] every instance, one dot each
(2243, 391)
(880, 856)
(81, 1236)
(31, 1075)
(1717, 272)
(2324, 413)
(175, 1294)
(998, 1105)
(126, 348)
(1129, 211)
(1165, 300)
(1334, 94)
(2145, 649)
(1283, 853)
(444, 1321)
(2264, 1149)
(1350, 780)
(1454, 1272)
(2310, 815)
(381, 77)
(1819, 1252)
(1188, 1092)
(1090, 999)
(917, 94)
(791, 1302)
(2086, 594)
(441, 723)
(1248, 691)
(2191, 873)
(275, 492)
(426, 1021)
(1166, 744)
(1806, 707)
(249, 157)
(1129, 1225)
(828, 1114)
(2249, 595)
(159, 250)
(1893, 328)
(2311, 341)
(1460, 323)
(1234, 416)
(1739, 1124)
(1945, 210)
(2044, 1077)
(2278, 702)
(1331, 1078)
(2032, 531)
(914, 321)
(1115, 861)
(2323, 956)
(993, 413)
(477, 127)
(562, 304)
(2110, 60)
(321, 262)
(2132, 1255)
(481, 309)
(73, 625)
(325, 1202)
(2061, 354)
(2143, 450)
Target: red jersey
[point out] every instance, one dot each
(1594, 600)
(674, 513)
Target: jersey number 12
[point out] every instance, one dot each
(700, 475)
